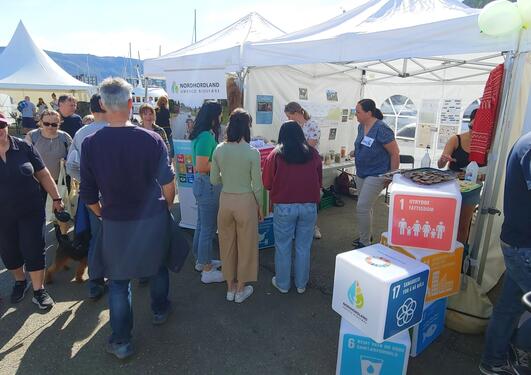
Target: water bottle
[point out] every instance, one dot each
(471, 173)
(426, 160)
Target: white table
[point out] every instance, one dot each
(340, 166)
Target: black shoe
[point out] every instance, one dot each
(519, 358)
(19, 291)
(42, 299)
(505, 369)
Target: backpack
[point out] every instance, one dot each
(342, 183)
(62, 137)
(21, 105)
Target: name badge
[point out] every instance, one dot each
(367, 141)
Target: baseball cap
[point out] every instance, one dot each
(3, 118)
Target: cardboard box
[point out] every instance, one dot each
(379, 291)
(358, 354)
(422, 216)
(445, 268)
(431, 326)
(266, 235)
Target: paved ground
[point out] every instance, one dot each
(268, 334)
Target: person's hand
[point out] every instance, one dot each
(260, 215)
(387, 182)
(58, 206)
(351, 153)
(446, 158)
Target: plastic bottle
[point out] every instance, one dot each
(472, 171)
(426, 160)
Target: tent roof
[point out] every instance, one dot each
(383, 30)
(217, 51)
(23, 65)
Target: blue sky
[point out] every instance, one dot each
(105, 27)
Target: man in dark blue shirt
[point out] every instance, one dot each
(71, 121)
(505, 345)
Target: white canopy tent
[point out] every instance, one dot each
(25, 69)
(421, 48)
(221, 50)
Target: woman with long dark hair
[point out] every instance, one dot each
(237, 165)
(204, 139)
(293, 174)
(375, 152)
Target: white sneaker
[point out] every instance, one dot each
(216, 263)
(230, 296)
(274, 282)
(212, 276)
(301, 290)
(316, 233)
(244, 294)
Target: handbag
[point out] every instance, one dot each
(63, 193)
(178, 248)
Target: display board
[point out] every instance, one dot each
(185, 179)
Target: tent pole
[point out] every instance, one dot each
(363, 83)
(496, 162)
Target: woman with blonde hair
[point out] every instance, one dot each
(312, 133)
(236, 165)
(163, 120)
(148, 116)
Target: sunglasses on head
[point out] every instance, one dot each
(52, 124)
(3, 125)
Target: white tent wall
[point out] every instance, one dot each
(417, 92)
(283, 83)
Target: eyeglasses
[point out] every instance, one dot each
(52, 124)
(3, 125)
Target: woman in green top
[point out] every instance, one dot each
(149, 116)
(237, 165)
(204, 139)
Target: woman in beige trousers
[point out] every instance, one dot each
(236, 165)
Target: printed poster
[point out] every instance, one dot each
(185, 180)
(264, 109)
(445, 132)
(424, 135)
(192, 87)
(429, 109)
(451, 112)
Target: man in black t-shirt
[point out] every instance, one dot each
(71, 121)
(506, 345)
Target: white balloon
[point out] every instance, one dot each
(499, 17)
(524, 7)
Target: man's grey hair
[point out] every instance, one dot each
(115, 94)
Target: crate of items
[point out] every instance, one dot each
(379, 291)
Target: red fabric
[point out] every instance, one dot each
(485, 121)
(293, 183)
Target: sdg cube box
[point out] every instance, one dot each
(445, 268)
(357, 354)
(431, 326)
(422, 216)
(379, 291)
(266, 235)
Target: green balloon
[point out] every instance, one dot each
(524, 7)
(499, 18)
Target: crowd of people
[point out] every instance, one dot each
(127, 187)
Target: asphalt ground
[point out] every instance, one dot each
(269, 333)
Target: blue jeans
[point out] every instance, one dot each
(121, 310)
(207, 197)
(289, 221)
(503, 323)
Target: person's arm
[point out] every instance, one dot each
(449, 149)
(88, 188)
(203, 151)
(215, 171)
(312, 142)
(45, 179)
(394, 152)
(319, 165)
(95, 208)
(72, 160)
(202, 164)
(168, 191)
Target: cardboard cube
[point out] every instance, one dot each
(358, 354)
(431, 326)
(424, 216)
(266, 235)
(445, 268)
(379, 291)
